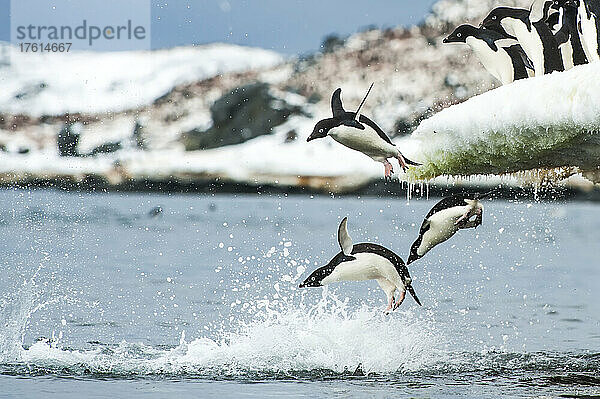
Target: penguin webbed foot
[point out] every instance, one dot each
(403, 163)
(400, 300)
(390, 306)
(389, 171)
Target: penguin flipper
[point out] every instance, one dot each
(336, 103)
(526, 60)
(344, 238)
(353, 123)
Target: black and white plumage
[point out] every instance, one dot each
(588, 18)
(567, 36)
(554, 20)
(457, 212)
(365, 261)
(501, 56)
(359, 133)
(532, 33)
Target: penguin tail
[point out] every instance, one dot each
(412, 292)
(413, 163)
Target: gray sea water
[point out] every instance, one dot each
(101, 298)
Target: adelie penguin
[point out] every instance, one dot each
(502, 57)
(533, 34)
(589, 28)
(359, 133)
(365, 261)
(567, 37)
(459, 211)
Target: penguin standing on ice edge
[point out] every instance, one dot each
(502, 57)
(445, 219)
(588, 17)
(567, 37)
(359, 133)
(532, 32)
(365, 261)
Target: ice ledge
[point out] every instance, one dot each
(543, 122)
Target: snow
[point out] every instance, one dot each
(543, 122)
(96, 82)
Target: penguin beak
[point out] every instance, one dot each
(446, 40)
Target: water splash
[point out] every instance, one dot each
(289, 339)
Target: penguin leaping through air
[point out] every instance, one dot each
(529, 27)
(459, 211)
(501, 56)
(365, 261)
(359, 133)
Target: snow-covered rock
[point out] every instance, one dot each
(97, 82)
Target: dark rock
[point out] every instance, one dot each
(404, 127)
(106, 148)
(138, 135)
(240, 115)
(68, 140)
(291, 136)
(331, 43)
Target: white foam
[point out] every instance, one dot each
(297, 336)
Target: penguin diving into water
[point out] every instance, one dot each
(532, 32)
(359, 133)
(457, 212)
(501, 56)
(365, 261)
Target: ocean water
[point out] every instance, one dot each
(101, 297)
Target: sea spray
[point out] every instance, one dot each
(285, 338)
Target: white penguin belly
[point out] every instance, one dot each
(566, 52)
(366, 141)
(589, 36)
(498, 63)
(530, 41)
(366, 266)
(441, 227)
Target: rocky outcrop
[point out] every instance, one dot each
(242, 114)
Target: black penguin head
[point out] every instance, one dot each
(315, 278)
(540, 9)
(493, 21)
(460, 34)
(569, 3)
(322, 128)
